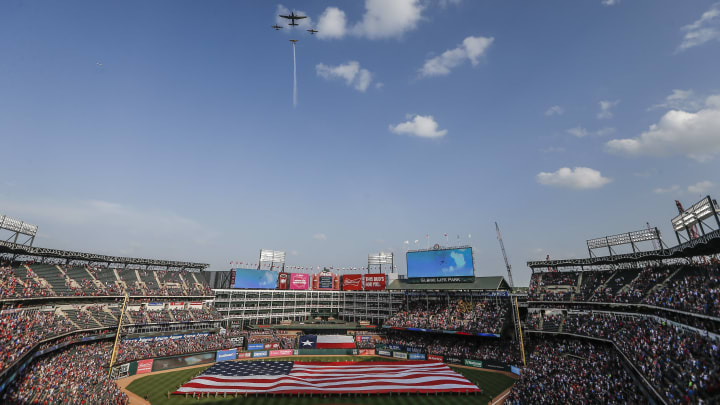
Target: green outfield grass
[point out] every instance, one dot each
(157, 387)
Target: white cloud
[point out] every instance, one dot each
(382, 19)
(606, 109)
(579, 178)
(332, 24)
(351, 72)
(680, 100)
(472, 48)
(304, 24)
(665, 190)
(610, 2)
(388, 19)
(580, 132)
(320, 236)
(423, 126)
(555, 110)
(705, 29)
(552, 149)
(695, 135)
(702, 187)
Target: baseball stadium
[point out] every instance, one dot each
(380, 202)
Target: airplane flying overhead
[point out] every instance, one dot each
(277, 27)
(312, 31)
(292, 17)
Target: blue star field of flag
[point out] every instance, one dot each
(248, 368)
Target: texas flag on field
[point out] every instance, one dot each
(326, 342)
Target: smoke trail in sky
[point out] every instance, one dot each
(294, 79)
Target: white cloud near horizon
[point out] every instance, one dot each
(701, 187)
(320, 236)
(680, 100)
(382, 19)
(423, 126)
(610, 2)
(578, 178)
(581, 132)
(692, 134)
(554, 110)
(472, 49)
(354, 75)
(606, 109)
(703, 30)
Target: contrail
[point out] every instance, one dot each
(294, 78)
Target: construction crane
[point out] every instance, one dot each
(507, 263)
(693, 229)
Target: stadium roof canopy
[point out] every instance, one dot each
(15, 249)
(708, 244)
(480, 283)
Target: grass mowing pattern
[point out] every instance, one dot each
(157, 386)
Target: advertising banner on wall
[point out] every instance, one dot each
(352, 282)
(223, 355)
(263, 353)
(383, 352)
(400, 355)
(284, 352)
(244, 355)
(366, 352)
(256, 346)
(474, 363)
(374, 282)
(283, 281)
(299, 281)
(416, 356)
(183, 361)
(434, 357)
(144, 366)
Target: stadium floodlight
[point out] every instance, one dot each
(17, 228)
(627, 238)
(380, 259)
(274, 257)
(696, 214)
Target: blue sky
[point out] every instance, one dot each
(166, 129)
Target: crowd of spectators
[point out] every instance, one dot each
(27, 284)
(21, 330)
(574, 372)
(135, 349)
(697, 292)
(684, 364)
(457, 346)
(692, 288)
(285, 341)
(12, 286)
(464, 315)
(72, 376)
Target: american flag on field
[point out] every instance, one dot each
(287, 377)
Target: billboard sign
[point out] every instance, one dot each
(255, 279)
(474, 363)
(383, 352)
(283, 281)
(256, 346)
(144, 366)
(416, 356)
(400, 355)
(284, 352)
(374, 282)
(440, 263)
(223, 355)
(352, 282)
(366, 352)
(263, 353)
(299, 281)
(434, 357)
